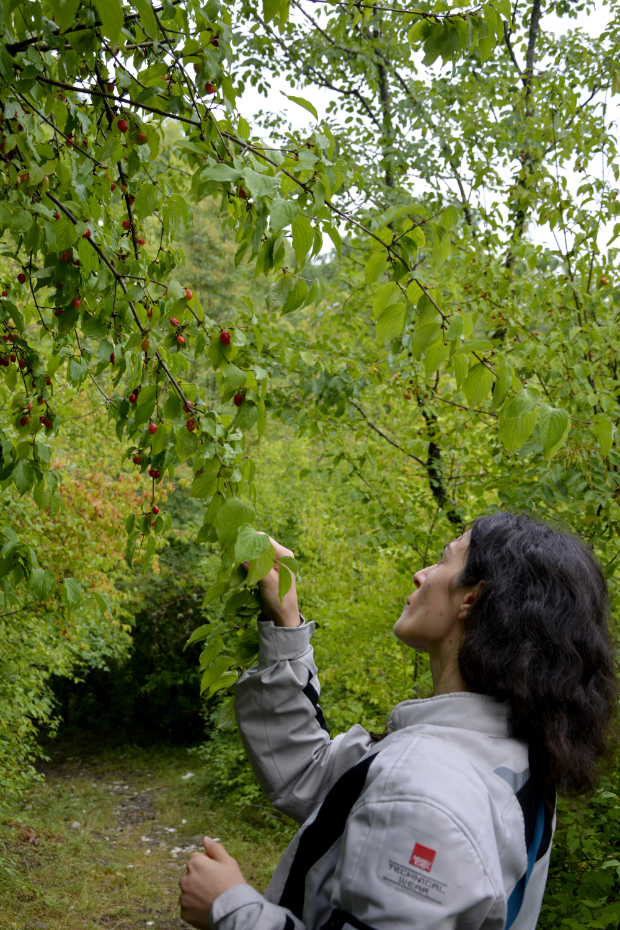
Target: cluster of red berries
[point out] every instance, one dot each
(154, 473)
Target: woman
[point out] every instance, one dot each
(446, 822)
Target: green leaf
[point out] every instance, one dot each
(477, 384)
(391, 323)
(111, 16)
(283, 212)
(277, 294)
(23, 476)
(435, 355)
(387, 295)
(423, 337)
(441, 245)
(449, 217)
(476, 345)
(250, 544)
(231, 516)
(105, 605)
(513, 433)
(603, 427)
(71, 593)
(211, 651)
(296, 297)
(553, 427)
(285, 580)
(65, 234)
(303, 236)
(42, 583)
(147, 17)
(160, 439)
(89, 260)
(260, 185)
(520, 405)
(199, 634)
(147, 201)
(64, 12)
(176, 216)
(246, 417)
(301, 102)
(214, 671)
(260, 566)
(375, 267)
(504, 373)
(221, 173)
(233, 377)
(202, 485)
(186, 444)
(224, 681)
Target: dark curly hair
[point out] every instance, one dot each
(537, 637)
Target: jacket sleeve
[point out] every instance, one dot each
(282, 726)
(403, 865)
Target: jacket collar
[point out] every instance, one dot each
(462, 710)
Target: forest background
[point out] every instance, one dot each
(385, 322)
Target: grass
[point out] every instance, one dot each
(139, 820)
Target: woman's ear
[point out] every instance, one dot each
(469, 600)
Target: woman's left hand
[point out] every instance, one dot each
(208, 875)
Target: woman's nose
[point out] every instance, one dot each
(419, 577)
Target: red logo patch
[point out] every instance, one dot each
(422, 857)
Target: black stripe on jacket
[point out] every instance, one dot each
(319, 836)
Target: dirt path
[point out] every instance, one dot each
(103, 841)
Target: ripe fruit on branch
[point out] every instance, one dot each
(56, 216)
(209, 88)
(5, 293)
(13, 357)
(152, 428)
(64, 257)
(149, 312)
(48, 380)
(126, 224)
(40, 400)
(141, 240)
(21, 277)
(112, 357)
(77, 302)
(22, 363)
(604, 279)
(155, 509)
(24, 421)
(241, 193)
(225, 337)
(154, 472)
(141, 138)
(123, 125)
(87, 234)
(191, 425)
(238, 400)
(47, 423)
(58, 311)
(181, 340)
(133, 398)
(188, 294)
(145, 345)
(112, 187)
(187, 406)
(131, 200)
(137, 460)
(174, 321)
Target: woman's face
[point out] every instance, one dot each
(434, 612)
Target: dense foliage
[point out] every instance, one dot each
(166, 277)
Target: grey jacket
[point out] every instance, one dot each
(438, 826)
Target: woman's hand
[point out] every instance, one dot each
(287, 612)
(208, 875)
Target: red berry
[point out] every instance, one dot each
(40, 400)
(126, 224)
(188, 293)
(141, 240)
(13, 357)
(238, 400)
(24, 421)
(187, 406)
(133, 398)
(209, 88)
(48, 380)
(141, 138)
(241, 193)
(153, 472)
(174, 321)
(29, 406)
(112, 187)
(149, 313)
(225, 337)
(191, 425)
(123, 125)
(64, 257)
(5, 293)
(87, 234)
(85, 144)
(56, 216)
(131, 200)
(22, 363)
(77, 302)
(155, 509)
(152, 428)
(21, 277)
(47, 423)
(181, 340)
(58, 311)
(112, 357)
(137, 459)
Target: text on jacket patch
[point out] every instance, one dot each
(422, 857)
(404, 877)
